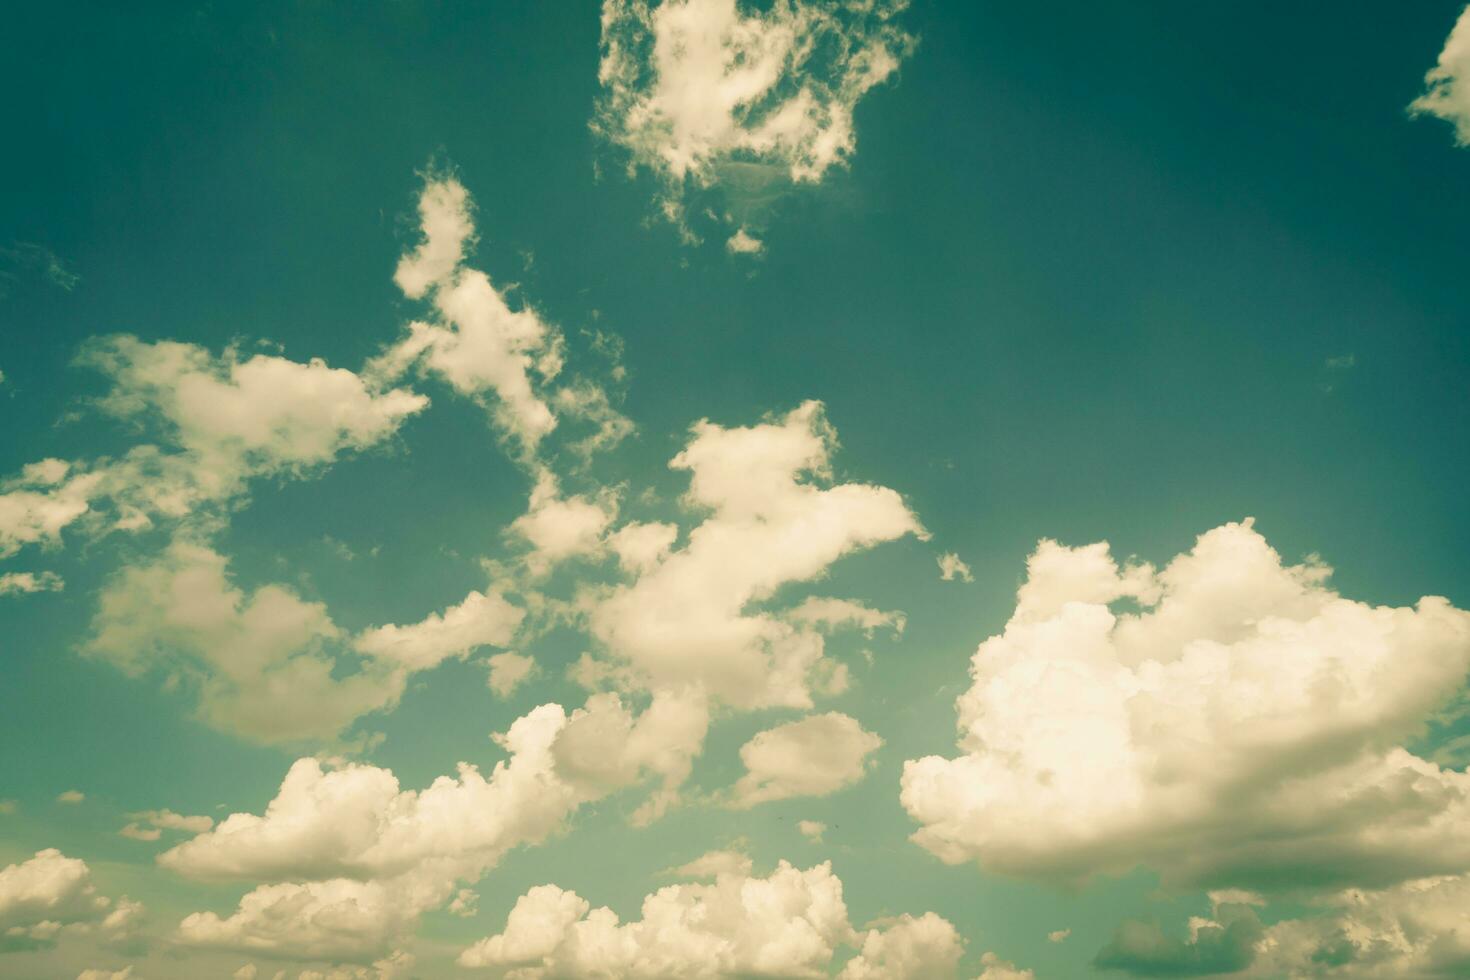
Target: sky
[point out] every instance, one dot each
(872, 489)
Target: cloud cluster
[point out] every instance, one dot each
(790, 923)
(695, 625)
(705, 92)
(221, 422)
(350, 861)
(1244, 726)
(1448, 93)
(269, 665)
(50, 895)
(697, 617)
(500, 354)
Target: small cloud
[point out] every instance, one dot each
(7, 807)
(713, 864)
(1340, 363)
(466, 903)
(951, 567)
(812, 830)
(149, 825)
(1058, 935)
(743, 243)
(27, 258)
(25, 583)
(71, 797)
(509, 671)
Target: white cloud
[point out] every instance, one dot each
(558, 528)
(269, 665)
(235, 417)
(815, 756)
(640, 547)
(149, 825)
(481, 619)
(48, 887)
(1448, 92)
(812, 830)
(830, 614)
(509, 671)
(712, 864)
(1058, 935)
(71, 796)
(341, 919)
(790, 923)
(478, 343)
(355, 821)
(447, 223)
(17, 583)
(261, 662)
(50, 895)
(589, 402)
(907, 948)
(952, 568)
(36, 505)
(126, 973)
(695, 90)
(350, 861)
(995, 968)
(604, 747)
(744, 243)
(224, 420)
(1242, 728)
(686, 620)
(465, 904)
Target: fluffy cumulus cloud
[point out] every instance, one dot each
(907, 948)
(992, 967)
(220, 421)
(1447, 95)
(694, 626)
(350, 860)
(790, 923)
(484, 347)
(1235, 722)
(698, 617)
(706, 92)
(51, 895)
(267, 664)
(815, 756)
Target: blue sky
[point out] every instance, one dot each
(875, 489)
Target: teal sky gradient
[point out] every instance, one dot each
(1095, 272)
